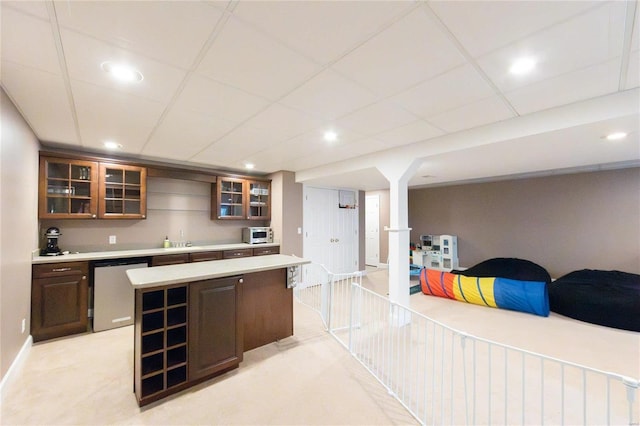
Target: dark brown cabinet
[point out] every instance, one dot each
(204, 256)
(68, 189)
(262, 251)
(59, 299)
(161, 342)
(122, 192)
(232, 254)
(170, 259)
(215, 328)
(234, 198)
(267, 308)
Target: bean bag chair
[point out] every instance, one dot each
(508, 267)
(608, 298)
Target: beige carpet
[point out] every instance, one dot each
(303, 380)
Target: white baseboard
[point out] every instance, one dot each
(17, 362)
(383, 265)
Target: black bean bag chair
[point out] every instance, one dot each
(508, 267)
(609, 298)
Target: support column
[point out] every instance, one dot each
(398, 172)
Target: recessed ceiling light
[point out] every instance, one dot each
(249, 166)
(522, 66)
(616, 136)
(122, 72)
(330, 136)
(112, 145)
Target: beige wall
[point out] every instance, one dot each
(286, 215)
(18, 228)
(384, 218)
(564, 223)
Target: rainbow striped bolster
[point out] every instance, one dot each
(503, 293)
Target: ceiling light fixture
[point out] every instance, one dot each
(112, 145)
(523, 66)
(330, 136)
(249, 166)
(121, 72)
(616, 136)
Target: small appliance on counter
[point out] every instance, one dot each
(52, 248)
(257, 235)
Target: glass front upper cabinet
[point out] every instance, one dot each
(258, 194)
(122, 191)
(68, 189)
(230, 198)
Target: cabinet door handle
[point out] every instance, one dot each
(60, 269)
(84, 277)
(93, 216)
(241, 280)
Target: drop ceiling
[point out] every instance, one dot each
(230, 83)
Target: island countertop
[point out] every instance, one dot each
(187, 272)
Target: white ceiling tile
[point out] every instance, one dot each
(32, 7)
(588, 39)
(571, 87)
(413, 132)
(49, 113)
(215, 99)
(408, 52)
(322, 30)
(28, 41)
(169, 31)
(376, 118)
(450, 90)
(635, 40)
(329, 96)
(183, 134)
(107, 115)
(482, 26)
(633, 72)
(84, 56)
(472, 115)
(246, 59)
(283, 122)
(360, 147)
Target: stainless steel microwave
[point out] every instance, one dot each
(257, 235)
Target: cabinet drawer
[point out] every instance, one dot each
(261, 251)
(60, 269)
(170, 259)
(206, 256)
(230, 254)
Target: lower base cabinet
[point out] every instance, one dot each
(215, 329)
(59, 300)
(184, 334)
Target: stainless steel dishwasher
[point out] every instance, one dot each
(113, 295)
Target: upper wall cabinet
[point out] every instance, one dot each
(68, 189)
(80, 189)
(123, 192)
(235, 198)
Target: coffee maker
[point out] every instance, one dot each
(52, 248)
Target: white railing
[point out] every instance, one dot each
(446, 376)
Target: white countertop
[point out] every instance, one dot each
(118, 254)
(186, 272)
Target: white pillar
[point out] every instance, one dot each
(398, 172)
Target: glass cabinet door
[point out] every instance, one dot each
(122, 191)
(68, 188)
(229, 199)
(258, 200)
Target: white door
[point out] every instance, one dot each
(372, 230)
(330, 232)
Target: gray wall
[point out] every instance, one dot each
(18, 228)
(564, 223)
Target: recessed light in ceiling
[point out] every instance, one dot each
(122, 72)
(330, 136)
(616, 136)
(249, 166)
(523, 66)
(112, 145)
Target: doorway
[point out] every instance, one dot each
(372, 230)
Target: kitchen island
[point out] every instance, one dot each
(194, 321)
